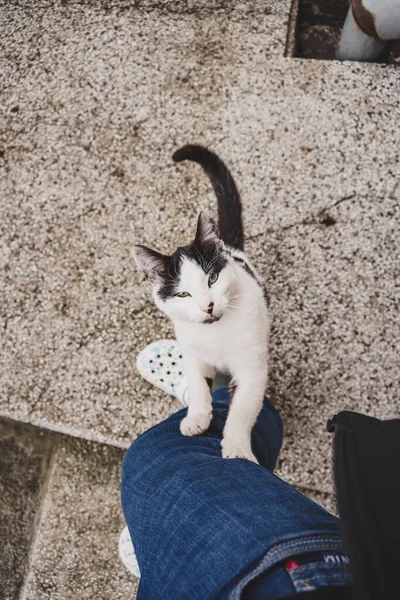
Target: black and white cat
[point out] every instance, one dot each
(217, 303)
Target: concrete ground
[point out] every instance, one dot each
(60, 517)
(95, 95)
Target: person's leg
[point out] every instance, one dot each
(198, 521)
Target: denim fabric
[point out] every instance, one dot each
(203, 526)
(281, 583)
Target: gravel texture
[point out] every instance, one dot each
(326, 500)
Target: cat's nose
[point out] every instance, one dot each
(208, 309)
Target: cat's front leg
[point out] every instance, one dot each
(247, 400)
(199, 414)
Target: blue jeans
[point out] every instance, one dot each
(204, 527)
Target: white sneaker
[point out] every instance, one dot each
(127, 552)
(161, 364)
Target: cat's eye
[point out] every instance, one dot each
(183, 295)
(213, 278)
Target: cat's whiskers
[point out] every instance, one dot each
(237, 307)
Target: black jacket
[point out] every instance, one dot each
(366, 467)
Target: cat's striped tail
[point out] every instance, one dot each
(229, 204)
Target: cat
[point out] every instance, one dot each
(218, 306)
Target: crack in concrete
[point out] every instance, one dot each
(321, 218)
(350, 197)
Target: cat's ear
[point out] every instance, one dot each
(152, 263)
(207, 231)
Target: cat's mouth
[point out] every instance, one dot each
(211, 319)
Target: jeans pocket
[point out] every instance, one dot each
(314, 575)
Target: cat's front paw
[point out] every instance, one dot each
(237, 449)
(195, 424)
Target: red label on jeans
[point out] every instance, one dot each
(292, 564)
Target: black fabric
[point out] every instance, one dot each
(366, 464)
(329, 593)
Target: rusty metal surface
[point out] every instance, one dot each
(291, 38)
(364, 18)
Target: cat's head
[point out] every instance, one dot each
(195, 283)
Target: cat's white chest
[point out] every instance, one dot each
(212, 345)
(228, 342)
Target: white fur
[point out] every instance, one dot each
(237, 343)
